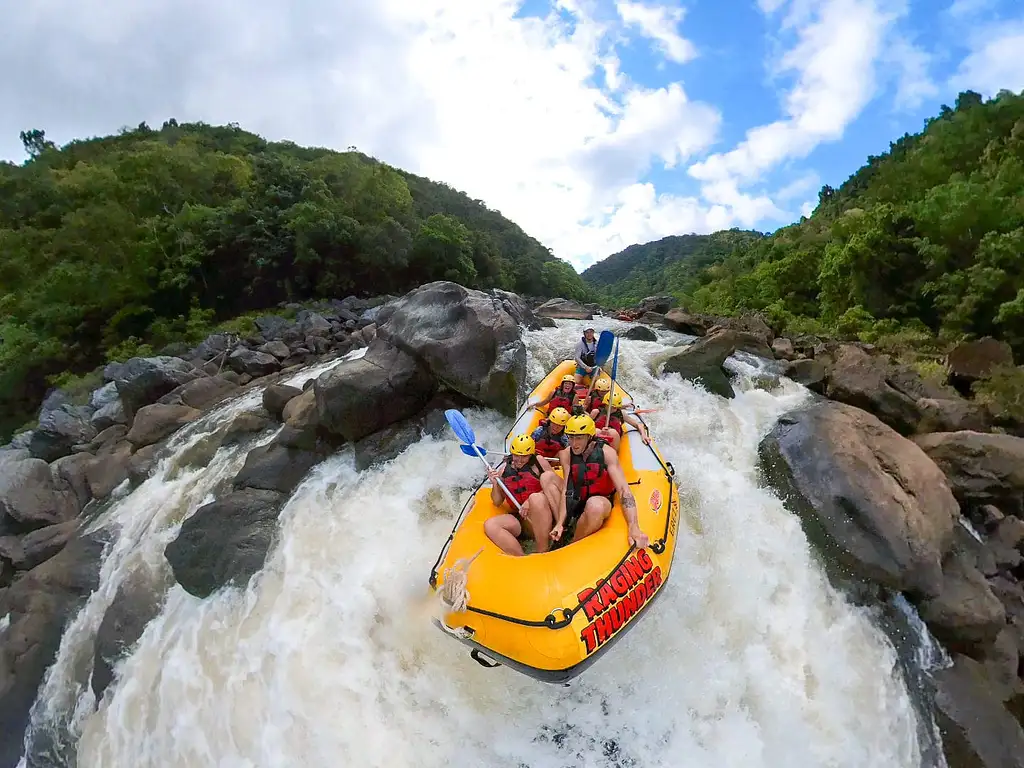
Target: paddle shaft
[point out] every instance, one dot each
(508, 493)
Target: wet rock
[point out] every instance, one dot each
(312, 323)
(517, 308)
(385, 445)
(155, 422)
(142, 463)
(683, 322)
(276, 466)
(107, 408)
(981, 468)
(547, 322)
(641, 333)
(977, 731)
(225, 542)
(213, 347)
(965, 615)
(29, 496)
(565, 309)
(360, 397)
(40, 605)
(276, 397)
(252, 363)
(108, 469)
(465, 338)
(70, 476)
(701, 362)
(144, 380)
(871, 500)
(138, 601)
(971, 361)
(783, 349)
(751, 325)
(809, 372)
(301, 413)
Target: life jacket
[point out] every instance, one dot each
(595, 401)
(522, 483)
(589, 474)
(616, 421)
(549, 445)
(562, 400)
(590, 356)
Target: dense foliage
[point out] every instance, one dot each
(929, 235)
(136, 237)
(670, 265)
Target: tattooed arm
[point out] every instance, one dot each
(636, 536)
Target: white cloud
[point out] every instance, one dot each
(911, 64)
(660, 23)
(834, 62)
(995, 61)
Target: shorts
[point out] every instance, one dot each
(574, 507)
(580, 371)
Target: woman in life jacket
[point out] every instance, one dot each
(594, 397)
(563, 395)
(610, 430)
(530, 480)
(550, 435)
(593, 477)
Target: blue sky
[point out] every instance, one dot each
(593, 124)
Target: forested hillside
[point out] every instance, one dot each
(669, 265)
(115, 241)
(928, 236)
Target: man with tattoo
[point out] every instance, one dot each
(593, 478)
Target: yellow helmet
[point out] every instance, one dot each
(523, 445)
(569, 377)
(580, 425)
(616, 397)
(603, 384)
(559, 416)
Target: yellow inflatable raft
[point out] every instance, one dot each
(551, 615)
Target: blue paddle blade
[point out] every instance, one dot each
(460, 427)
(615, 363)
(471, 450)
(604, 348)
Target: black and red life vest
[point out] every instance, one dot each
(616, 421)
(589, 473)
(522, 483)
(595, 401)
(562, 400)
(549, 445)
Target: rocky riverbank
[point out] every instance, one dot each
(904, 484)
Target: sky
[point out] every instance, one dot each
(593, 124)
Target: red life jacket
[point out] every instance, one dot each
(549, 445)
(561, 400)
(522, 483)
(595, 401)
(589, 472)
(616, 421)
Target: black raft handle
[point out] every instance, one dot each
(475, 655)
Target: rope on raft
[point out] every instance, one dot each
(453, 591)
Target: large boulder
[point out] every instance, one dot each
(681, 321)
(875, 504)
(254, 363)
(38, 607)
(971, 361)
(982, 468)
(358, 397)
(60, 430)
(201, 393)
(466, 338)
(278, 465)
(701, 362)
(144, 380)
(564, 309)
(225, 541)
(30, 496)
(155, 422)
(661, 304)
(860, 380)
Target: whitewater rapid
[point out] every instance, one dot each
(328, 658)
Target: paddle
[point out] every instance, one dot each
(471, 450)
(604, 350)
(611, 391)
(465, 433)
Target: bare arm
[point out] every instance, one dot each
(560, 513)
(631, 419)
(497, 495)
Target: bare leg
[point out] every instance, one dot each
(503, 530)
(551, 485)
(541, 522)
(594, 514)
